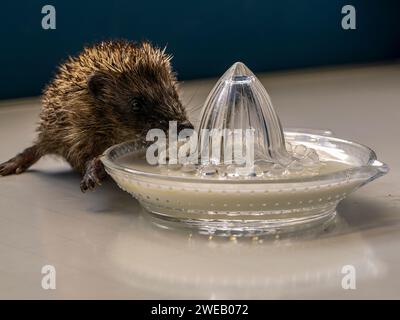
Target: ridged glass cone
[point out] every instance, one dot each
(240, 101)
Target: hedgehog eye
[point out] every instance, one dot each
(135, 105)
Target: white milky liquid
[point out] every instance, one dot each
(199, 198)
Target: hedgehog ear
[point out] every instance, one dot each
(96, 83)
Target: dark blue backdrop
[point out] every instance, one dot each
(205, 36)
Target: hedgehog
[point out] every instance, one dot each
(111, 92)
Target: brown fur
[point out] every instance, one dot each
(111, 92)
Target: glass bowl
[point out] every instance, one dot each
(249, 206)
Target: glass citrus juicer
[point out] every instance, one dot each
(248, 176)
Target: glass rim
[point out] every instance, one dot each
(372, 167)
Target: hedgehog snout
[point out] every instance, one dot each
(185, 125)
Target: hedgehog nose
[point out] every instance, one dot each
(184, 125)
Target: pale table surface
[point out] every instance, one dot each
(103, 246)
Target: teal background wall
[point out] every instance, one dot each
(205, 37)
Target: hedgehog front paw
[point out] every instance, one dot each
(93, 176)
(88, 183)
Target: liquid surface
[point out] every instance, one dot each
(131, 161)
